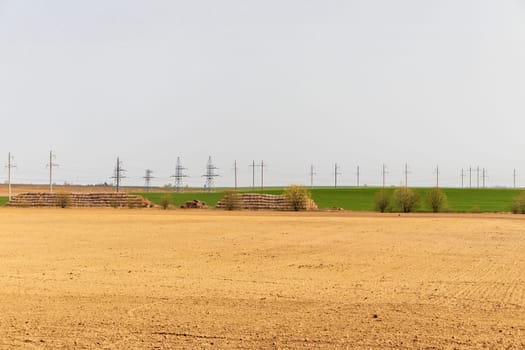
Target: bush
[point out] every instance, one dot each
(475, 210)
(406, 199)
(298, 197)
(63, 200)
(165, 201)
(518, 205)
(231, 200)
(115, 202)
(382, 201)
(436, 199)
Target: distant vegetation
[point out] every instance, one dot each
(297, 197)
(165, 201)
(364, 198)
(383, 199)
(406, 200)
(436, 199)
(518, 205)
(63, 200)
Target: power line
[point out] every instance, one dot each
(437, 176)
(262, 174)
(470, 177)
(477, 177)
(10, 165)
(484, 176)
(383, 174)
(406, 175)
(148, 177)
(179, 175)
(336, 173)
(462, 177)
(51, 165)
(358, 174)
(235, 168)
(119, 173)
(253, 174)
(210, 175)
(312, 174)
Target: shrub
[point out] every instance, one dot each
(115, 202)
(63, 200)
(382, 201)
(165, 201)
(436, 199)
(406, 199)
(231, 200)
(298, 197)
(518, 204)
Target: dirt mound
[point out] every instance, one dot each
(256, 201)
(111, 199)
(194, 204)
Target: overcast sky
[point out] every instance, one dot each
(293, 83)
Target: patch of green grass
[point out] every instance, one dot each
(459, 200)
(363, 198)
(3, 201)
(486, 199)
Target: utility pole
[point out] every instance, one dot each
(336, 172)
(437, 176)
(514, 176)
(10, 165)
(477, 176)
(253, 174)
(312, 173)
(484, 176)
(179, 175)
(358, 173)
(470, 177)
(235, 174)
(383, 174)
(210, 175)
(51, 165)
(462, 178)
(262, 173)
(147, 177)
(406, 174)
(118, 173)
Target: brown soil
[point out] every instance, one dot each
(146, 279)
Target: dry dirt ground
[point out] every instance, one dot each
(153, 279)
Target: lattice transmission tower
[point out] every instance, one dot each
(118, 174)
(210, 175)
(179, 175)
(147, 179)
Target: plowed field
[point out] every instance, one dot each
(152, 279)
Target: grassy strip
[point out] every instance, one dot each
(3, 201)
(363, 199)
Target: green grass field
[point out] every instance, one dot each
(3, 200)
(363, 199)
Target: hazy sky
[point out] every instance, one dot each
(292, 83)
